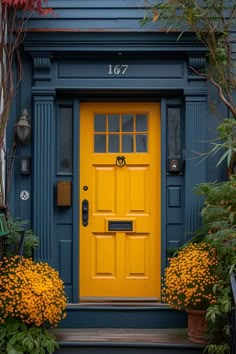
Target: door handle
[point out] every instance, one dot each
(85, 212)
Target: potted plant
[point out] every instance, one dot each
(32, 300)
(188, 285)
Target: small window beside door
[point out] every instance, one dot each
(174, 136)
(64, 139)
(116, 133)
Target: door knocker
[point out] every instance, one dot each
(120, 161)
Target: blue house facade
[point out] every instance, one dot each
(94, 60)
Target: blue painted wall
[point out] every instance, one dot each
(66, 58)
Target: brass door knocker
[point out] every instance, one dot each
(120, 161)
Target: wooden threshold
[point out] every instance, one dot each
(118, 299)
(134, 304)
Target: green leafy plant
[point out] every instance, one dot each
(226, 144)
(13, 238)
(219, 226)
(211, 22)
(18, 338)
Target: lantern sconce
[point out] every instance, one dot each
(23, 128)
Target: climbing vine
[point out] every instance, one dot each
(14, 15)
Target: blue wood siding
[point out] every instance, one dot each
(88, 15)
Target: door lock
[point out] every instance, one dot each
(174, 165)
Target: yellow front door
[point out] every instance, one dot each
(120, 216)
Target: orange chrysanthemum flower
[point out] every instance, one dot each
(30, 291)
(189, 278)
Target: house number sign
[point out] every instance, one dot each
(117, 69)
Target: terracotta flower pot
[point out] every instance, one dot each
(197, 326)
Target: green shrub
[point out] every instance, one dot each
(13, 239)
(219, 227)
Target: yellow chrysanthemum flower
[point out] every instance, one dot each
(189, 278)
(31, 291)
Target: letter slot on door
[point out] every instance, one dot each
(120, 225)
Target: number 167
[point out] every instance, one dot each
(117, 69)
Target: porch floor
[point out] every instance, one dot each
(124, 335)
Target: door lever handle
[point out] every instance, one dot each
(85, 212)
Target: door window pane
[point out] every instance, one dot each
(113, 143)
(113, 123)
(141, 143)
(127, 123)
(65, 139)
(127, 143)
(100, 123)
(118, 133)
(100, 143)
(141, 123)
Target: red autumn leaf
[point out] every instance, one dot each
(28, 5)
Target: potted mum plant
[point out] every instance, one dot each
(32, 300)
(188, 286)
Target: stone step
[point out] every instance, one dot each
(152, 315)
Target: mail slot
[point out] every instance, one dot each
(120, 225)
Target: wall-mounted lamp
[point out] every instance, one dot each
(23, 127)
